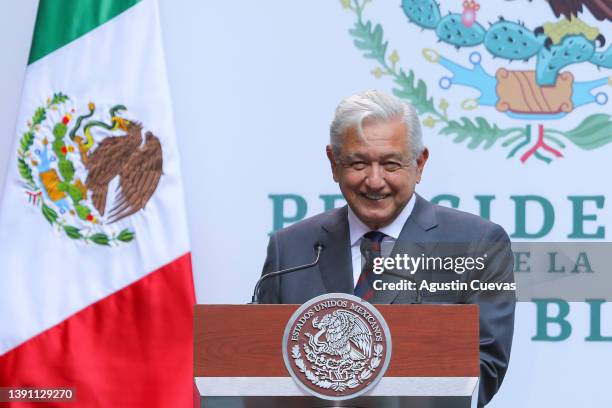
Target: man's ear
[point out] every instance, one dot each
(332, 162)
(420, 164)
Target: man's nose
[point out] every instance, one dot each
(375, 179)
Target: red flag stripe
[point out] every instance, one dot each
(133, 348)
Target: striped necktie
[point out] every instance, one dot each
(370, 249)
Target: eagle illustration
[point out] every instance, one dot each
(601, 9)
(138, 165)
(346, 336)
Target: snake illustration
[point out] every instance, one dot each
(116, 123)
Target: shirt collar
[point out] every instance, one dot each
(357, 228)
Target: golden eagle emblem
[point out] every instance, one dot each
(138, 165)
(69, 160)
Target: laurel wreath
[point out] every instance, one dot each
(593, 132)
(23, 153)
(336, 386)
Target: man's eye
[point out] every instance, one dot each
(392, 166)
(359, 165)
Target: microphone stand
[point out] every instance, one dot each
(255, 299)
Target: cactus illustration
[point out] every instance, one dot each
(424, 13)
(572, 50)
(509, 40)
(451, 30)
(603, 59)
(554, 46)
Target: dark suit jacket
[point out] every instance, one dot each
(431, 230)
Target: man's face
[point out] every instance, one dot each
(376, 175)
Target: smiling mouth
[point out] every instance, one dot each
(375, 197)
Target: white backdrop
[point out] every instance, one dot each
(254, 86)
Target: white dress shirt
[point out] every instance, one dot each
(357, 229)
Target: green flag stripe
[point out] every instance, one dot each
(59, 22)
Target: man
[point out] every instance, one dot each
(377, 157)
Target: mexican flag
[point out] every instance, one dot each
(96, 288)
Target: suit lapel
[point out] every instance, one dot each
(415, 239)
(336, 261)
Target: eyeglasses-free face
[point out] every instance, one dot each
(377, 174)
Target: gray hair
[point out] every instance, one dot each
(378, 106)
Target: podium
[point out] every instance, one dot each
(434, 364)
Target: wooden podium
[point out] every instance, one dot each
(238, 360)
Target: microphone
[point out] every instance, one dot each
(255, 299)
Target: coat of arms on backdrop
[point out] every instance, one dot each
(88, 167)
(546, 73)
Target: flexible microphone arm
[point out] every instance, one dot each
(255, 299)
